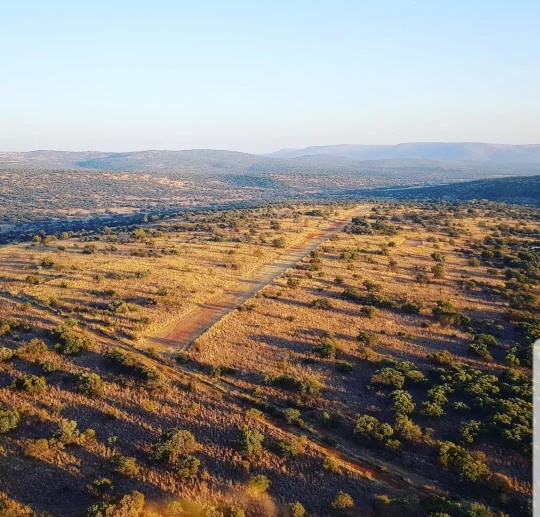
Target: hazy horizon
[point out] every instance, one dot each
(259, 78)
(121, 151)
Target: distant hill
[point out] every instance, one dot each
(459, 151)
(516, 190)
(218, 162)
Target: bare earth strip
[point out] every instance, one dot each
(192, 325)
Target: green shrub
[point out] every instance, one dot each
(342, 501)
(90, 384)
(367, 337)
(129, 505)
(368, 426)
(331, 464)
(102, 486)
(470, 466)
(291, 415)
(9, 419)
(251, 442)
(125, 465)
(388, 377)
(407, 429)
(294, 446)
(444, 357)
(172, 444)
(322, 303)
(188, 467)
(431, 409)
(295, 510)
(258, 484)
(369, 311)
(403, 402)
(6, 354)
(30, 384)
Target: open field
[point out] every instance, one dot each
(277, 387)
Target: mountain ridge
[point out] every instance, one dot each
(448, 151)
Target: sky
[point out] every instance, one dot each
(260, 75)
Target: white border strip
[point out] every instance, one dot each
(536, 428)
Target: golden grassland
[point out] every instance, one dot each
(280, 328)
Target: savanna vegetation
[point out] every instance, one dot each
(388, 373)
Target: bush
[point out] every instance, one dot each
(326, 349)
(322, 303)
(71, 341)
(388, 377)
(413, 307)
(125, 465)
(481, 350)
(469, 431)
(403, 402)
(67, 433)
(6, 354)
(368, 426)
(129, 505)
(90, 384)
(342, 501)
(251, 442)
(32, 348)
(258, 484)
(9, 419)
(295, 510)
(431, 409)
(331, 464)
(407, 429)
(366, 337)
(172, 444)
(470, 466)
(445, 357)
(291, 415)
(38, 449)
(30, 384)
(188, 467)
(102, 486)
(294, 447)
(438, 271)
(32, 279)
(369, 311)
(310, 387)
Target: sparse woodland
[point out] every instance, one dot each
(387, 373)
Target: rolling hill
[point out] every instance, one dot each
(466, 151)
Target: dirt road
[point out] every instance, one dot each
(195, 323)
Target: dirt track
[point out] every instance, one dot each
(195, 323)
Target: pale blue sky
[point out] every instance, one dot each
(259, 75)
